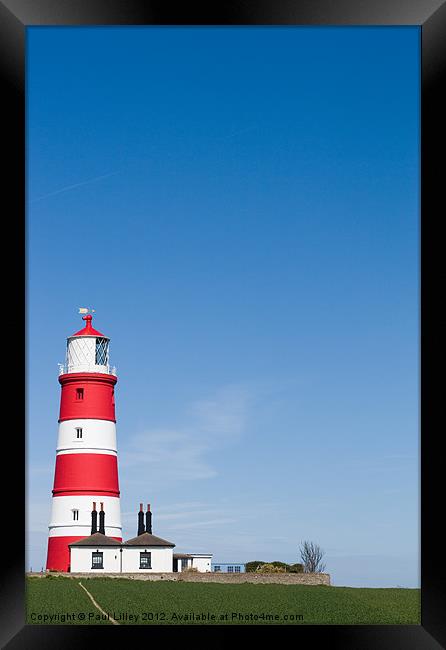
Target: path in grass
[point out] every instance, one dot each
(197, 603)
(59, 601)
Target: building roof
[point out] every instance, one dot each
(97, 539)
(147, 539)
(178, 556)
(88, 330)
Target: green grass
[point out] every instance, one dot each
(56, 597)
(170, 603)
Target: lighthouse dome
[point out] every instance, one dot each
(88, 330)
(87, 350)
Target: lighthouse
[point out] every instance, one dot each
(86, 470)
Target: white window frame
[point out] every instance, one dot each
(99, 555)
(147, 555)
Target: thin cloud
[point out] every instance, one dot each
(38, 516)
(166, 456)
(198, 524)
(169, 455)
(186, 507)
(225, 413)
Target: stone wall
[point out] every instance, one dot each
(259, 578)
(227, 578)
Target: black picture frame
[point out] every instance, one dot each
(430, 16)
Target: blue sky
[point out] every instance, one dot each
(240, 207)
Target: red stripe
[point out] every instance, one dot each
(86, 473)
(96, 401)
(58, 558)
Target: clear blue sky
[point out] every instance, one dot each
(240, 206)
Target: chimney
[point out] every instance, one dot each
(102, 520)
(94, 519)
(140, 520)
(148, 520)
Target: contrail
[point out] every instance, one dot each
(72, 187)
(67, 188)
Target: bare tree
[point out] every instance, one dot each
(311, 555)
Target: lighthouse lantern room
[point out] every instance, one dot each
(86, 467)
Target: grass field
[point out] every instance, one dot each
(172, 603)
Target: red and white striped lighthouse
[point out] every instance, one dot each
(86, 470)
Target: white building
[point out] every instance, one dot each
(101, 554)
(96, 553)
(199, 561)
(146, 553)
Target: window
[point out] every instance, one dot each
(184, 562)
(76, 515)
(217, 568)
(79, 393)
(145, 560)
(230, 569)
(101, 352)
(237, 569)
(78, 432)
(97, 560)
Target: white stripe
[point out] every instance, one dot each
(62, 515)
(95, 434)
(81, 531)
(86, 450)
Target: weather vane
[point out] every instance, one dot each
(86, 310)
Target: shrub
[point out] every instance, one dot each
(190, 569)
(270, 568)
(287, 568)
(282, 565)
(252, 566)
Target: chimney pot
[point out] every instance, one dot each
(141, 529)
(148, 520)
(94, 519)
(102, 520)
